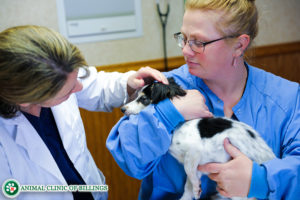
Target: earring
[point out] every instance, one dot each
(234, 62)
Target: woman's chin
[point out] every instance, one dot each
(196, 71)
(193, 67)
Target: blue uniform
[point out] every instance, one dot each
(270, 104)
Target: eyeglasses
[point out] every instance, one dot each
(195, 45)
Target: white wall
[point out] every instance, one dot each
(279, 23)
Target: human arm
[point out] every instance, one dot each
(283, 172)
(103, 91)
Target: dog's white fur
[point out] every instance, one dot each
(189, 148)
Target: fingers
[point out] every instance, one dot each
(148, 72)
(210, 168)
(214, 176)
(139, 82)
(230, 149)
(233, 178)
(192, 105)
(213, 170)
(222, 191)
(207, 113)
(143, 76)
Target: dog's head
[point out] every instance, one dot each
(152, 94)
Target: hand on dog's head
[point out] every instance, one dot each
(152, 94)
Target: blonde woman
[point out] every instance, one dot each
(43, 81)
(214, 36)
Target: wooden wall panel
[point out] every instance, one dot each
(282, 59)
(97, 126)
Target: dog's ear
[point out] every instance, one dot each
(161, 91)
(175, 89)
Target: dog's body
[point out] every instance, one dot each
(200, 141)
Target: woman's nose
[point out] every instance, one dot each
(186, 50)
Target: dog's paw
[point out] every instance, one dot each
(187, 195)
(197, 192)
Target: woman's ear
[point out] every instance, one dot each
(241, 45)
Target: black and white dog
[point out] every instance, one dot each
(200, 141)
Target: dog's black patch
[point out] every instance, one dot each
(158, 91)
(211, 126)
(251, 134)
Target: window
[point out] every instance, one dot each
(98, 20)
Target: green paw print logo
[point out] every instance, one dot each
(11, 188)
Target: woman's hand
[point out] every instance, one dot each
(234, 177)
(192, 105)
(144, 76)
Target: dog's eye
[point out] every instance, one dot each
(144, 100)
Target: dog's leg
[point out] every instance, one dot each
(188, 190)
(191, 162)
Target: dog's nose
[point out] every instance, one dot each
(123, 110)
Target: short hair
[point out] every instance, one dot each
(34, 64)
(237, 16)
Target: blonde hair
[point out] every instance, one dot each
(34, 64)
(237, 16)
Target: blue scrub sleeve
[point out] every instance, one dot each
(259, 186)
(137, 142)
(283, 173)
(168, 115)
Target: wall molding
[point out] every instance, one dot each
(174, 62)
(274, 49)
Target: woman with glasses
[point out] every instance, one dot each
(214, 37)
